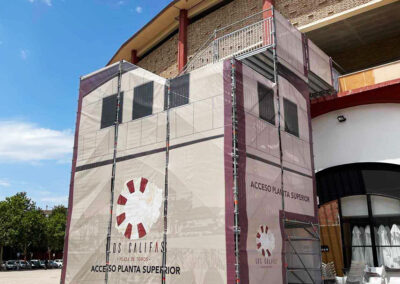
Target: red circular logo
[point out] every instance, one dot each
(138, 208)
(265, 241)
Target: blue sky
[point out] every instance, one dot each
(45, 46)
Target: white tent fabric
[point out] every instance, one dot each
(357, 250)
(383, 242)
(369, 259)
(395, 240)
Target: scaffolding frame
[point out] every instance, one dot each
(114, 165)
(270, 70)
(165, 215)
(252, 47)
(312, 229)
(235, 162)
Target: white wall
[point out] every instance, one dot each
(370, 134)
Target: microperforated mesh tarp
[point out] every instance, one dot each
(263, 207)
(319, 62)
(198, 215)
(300, 54)
(289, 45)
(196, 230)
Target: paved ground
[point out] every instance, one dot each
(51, 276)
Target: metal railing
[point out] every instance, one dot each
(252, 38)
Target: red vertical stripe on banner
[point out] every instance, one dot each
(131, 186)
(143, 184)
(128, 231)
(141, 230)
(120, 219)
(121, 200)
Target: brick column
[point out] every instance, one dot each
(182, 41)
(266, 5)
(134, 57)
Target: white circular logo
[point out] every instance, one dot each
(265, 241)
(138, 208)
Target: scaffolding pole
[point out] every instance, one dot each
(116, 126)
(284, 219)
(167, 139)
(235, 157)
(276, 79)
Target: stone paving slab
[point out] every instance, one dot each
(50, 276)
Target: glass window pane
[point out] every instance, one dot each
(385, 179)
(354, 206)
(385, 206)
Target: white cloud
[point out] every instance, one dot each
(27, 142)
(55, 199)
(139, 9)
(4, 183)
(120, 2)
(47, 2)
(23, 53)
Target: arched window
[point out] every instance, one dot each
(365, 201)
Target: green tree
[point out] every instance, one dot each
(22, 224)
(56, 224)
(5, 226)
(25, 227)
(33, 230)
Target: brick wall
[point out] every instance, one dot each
(163, 60)
(302, 12)
(201, 30)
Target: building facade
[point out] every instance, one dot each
(354, 101)
(362, 37)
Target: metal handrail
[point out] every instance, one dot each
(244, 19)
(241, 29)
(242, 41)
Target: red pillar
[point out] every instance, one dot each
(134, 57)
(182, 41)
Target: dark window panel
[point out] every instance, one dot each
(291, 117)
(143, 100)
(179, 92)
(109, 110)
(266, 103)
